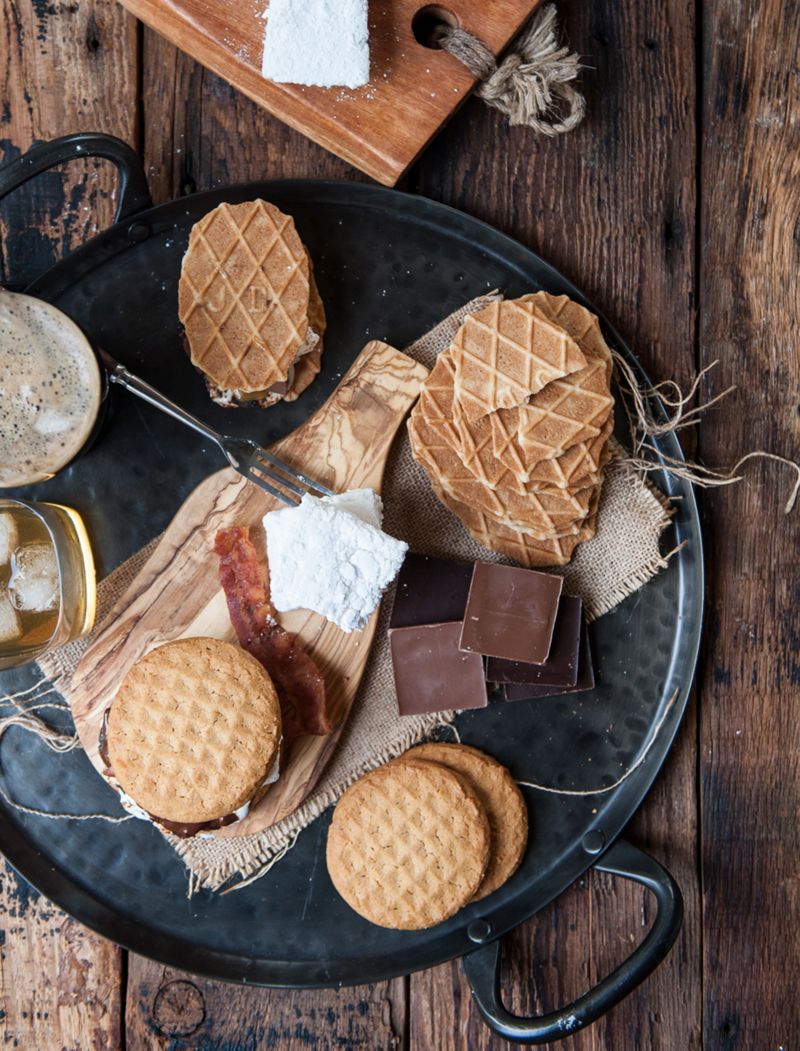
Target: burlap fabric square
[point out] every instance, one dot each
(623, 556)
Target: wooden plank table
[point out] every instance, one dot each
(676, 206)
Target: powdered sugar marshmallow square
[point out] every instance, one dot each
(363, 503)
(323, 43)
(328, 560)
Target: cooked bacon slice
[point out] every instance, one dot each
(245, 581)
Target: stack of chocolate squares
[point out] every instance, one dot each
(513, 423)
(457, 625)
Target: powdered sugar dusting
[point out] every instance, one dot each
(329, 557)
(324, 43)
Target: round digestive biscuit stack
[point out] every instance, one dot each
(194, 730)
(501, 799)
(525, 480)
(246, 300)
(408, 844)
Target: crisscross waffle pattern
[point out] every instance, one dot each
(194, 729)
(244, 295)
(506, 352)
(567, 411)
(528, 491)
(575, 319)
(578, 467)
(408, 845)
(530, 551)
(571, 411)
(547, 511)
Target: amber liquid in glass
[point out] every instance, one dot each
(47, 580)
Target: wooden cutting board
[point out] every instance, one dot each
(380, 128)
(177, 593)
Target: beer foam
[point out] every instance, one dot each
(49, 389)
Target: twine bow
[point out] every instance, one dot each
(533, 83)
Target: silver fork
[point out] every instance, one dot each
(257, 465)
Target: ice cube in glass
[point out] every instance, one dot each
(10, 627)
(34, 578)
(8, 537)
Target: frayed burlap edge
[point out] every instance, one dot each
(215, 862)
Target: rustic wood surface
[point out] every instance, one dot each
(344, 445)
(381, 127)
(676, 207)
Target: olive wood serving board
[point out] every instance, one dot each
(381, 127)
(176, 594)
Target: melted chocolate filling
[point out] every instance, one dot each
(183, 829)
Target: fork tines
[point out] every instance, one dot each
(279, 479)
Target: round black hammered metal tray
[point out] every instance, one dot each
(389, 266)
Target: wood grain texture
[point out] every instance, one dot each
(177, 594)
(168, 1010)
(200, 133)
(64, 67)
(60, 984)
(612, 205)
(380, 128)
(191, 118)
(750, 734)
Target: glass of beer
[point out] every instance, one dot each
(47, 580)
(51, 392)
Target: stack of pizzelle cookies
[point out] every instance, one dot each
(252, 314)
(513, 423)
(415, 840)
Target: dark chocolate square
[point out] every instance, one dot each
(511, 613)
(430, 591)
(431, 673)
(561, 666)
(585, 680)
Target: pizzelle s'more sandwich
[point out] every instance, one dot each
(192, 738)
(252, 314)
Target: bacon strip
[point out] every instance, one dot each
(300, 686)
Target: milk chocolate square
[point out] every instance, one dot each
(430, 591)
(585, 680)
(561, 666)
(431, 673)
(511, 613)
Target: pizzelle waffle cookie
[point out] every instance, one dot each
(506, 352)
(543, 509)
(524, 479)
(501, 799)
(524, 548)
(194, 730)
(308, 365)
(249, 305)
(572, 409)
(408, 844)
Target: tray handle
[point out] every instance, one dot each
(134, 196)
(482, 967)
